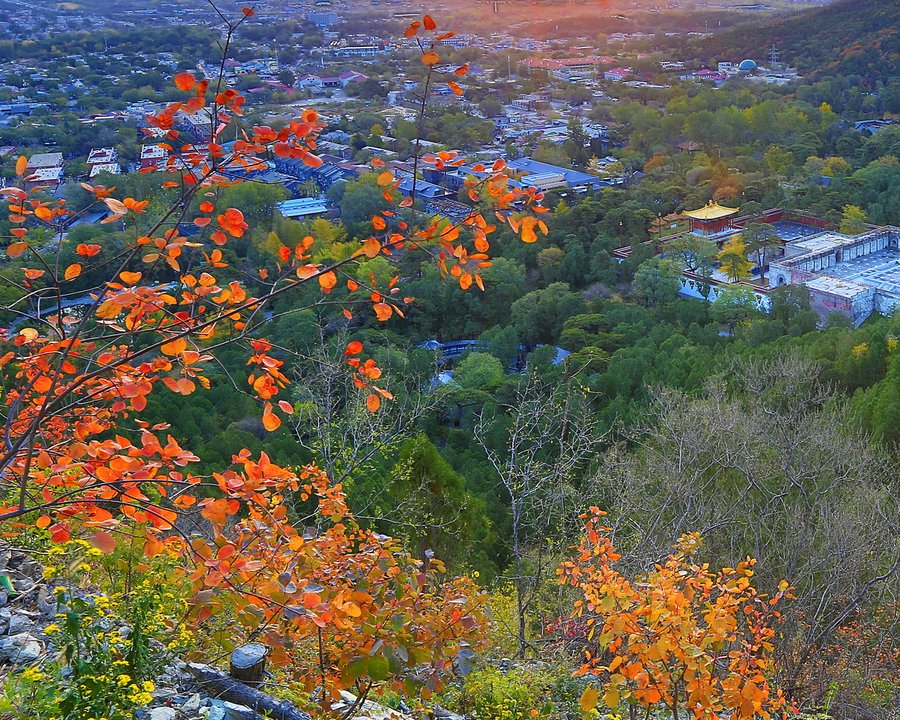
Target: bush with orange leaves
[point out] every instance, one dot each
(681, 638)
(342, 606)
(77, 459)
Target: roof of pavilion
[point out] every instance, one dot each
(713, 211)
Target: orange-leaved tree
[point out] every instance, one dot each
(78, 364)
(680, 638)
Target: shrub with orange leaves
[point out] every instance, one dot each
(79, 460)
(343, 606)
(681, 638)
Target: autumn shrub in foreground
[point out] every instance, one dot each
(270, 552)
(681, 638)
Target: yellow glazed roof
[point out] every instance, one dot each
(713, 211)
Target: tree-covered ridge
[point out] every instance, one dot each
(844, 38)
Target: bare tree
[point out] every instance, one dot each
(350, 443)
(549, 435)
(331, 419)
(766, 463)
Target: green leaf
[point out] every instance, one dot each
(356, 668)
(379, 667)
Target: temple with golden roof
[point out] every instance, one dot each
(711, 219)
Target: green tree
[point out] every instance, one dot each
(434, 508)
(479, 371)
(778, 160)
(539, 316)
(762, 239)
(733, 306)
(657, 281)
(287, 77)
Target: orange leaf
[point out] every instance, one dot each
(43, 213)
(378, 222)
(429, 22)
(185, 81)
(461, 70)
(21, 165)
(59, 533)
(327, 281)
(16, 249)
(383, 311)
(386, 178)
(430, 58)
(528, 233)
(130, 278)
(373, 402)
(43, 521)
(355, 347)
(412, 29)
(73, 271)
(270, 420)
(455, 88)
(174, 347)
(104, 541)
(371, 248)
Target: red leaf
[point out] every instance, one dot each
(104, 541)
(185, 81)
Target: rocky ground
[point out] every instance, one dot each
(28, 606)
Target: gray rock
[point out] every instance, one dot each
(46, 603)
(4, 598)
(443, 714)
(216, 712)
(23, 584)
(19, 622)
(20, 649)
(233, 711)
(162, 713)
(191, 705)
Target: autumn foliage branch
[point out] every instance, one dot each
(78, 459)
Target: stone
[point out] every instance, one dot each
(440, 713)
(233, 711)
(163, 693)
(19, 622)
(216, 712)
(163, 713)
(46, 603)
(23, 584)
(191, 705)
(20, 649)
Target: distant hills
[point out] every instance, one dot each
(848, 37)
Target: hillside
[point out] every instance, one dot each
(850, 37)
